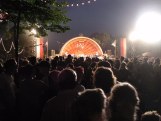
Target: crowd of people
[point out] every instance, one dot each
(80, 89)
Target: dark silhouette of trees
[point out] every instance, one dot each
(42, 15)
(103, 39)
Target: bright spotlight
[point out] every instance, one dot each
(133, 36)
(148, 27)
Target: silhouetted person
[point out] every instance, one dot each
(54, 63)
(8, 91)
(53, 83)
(80, 74)
(104, 64)
(123, 102)
(43, 72)
(124, 73)
(90, 106)
(59, 108)
(32, 96)
(104, 79)
(32, 60)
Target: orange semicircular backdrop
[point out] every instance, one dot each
(81, 46)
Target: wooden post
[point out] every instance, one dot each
(16, 35)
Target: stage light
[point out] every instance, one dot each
(148, 28)
(133, 36)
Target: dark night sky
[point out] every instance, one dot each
(116, 17)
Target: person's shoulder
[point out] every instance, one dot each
(51, 99)
(39, 83)
(50, 103)
(79, 88)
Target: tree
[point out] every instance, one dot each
(104, 40)
(26, 42)
(42, 15)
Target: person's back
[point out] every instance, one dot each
(43, 72)
(59, 108)
(124, 73)
(31, 97)
(7, 90)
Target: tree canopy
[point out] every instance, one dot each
(42, 15)
(103, 39)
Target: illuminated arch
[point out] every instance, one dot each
(81, 46)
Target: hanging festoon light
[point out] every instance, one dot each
(4, 48)
(80, 3)
(20, 52)
(12, 46)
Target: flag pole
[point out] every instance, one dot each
(115, 50)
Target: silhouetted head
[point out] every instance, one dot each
(80, 73)
(44, 67)
(117, 64)
(29, 71)
(123, 65)
(104, 64)
(89, 106)
(104, 79)
(10, 66)
(70, 65)
(67, 79)
(150, 116)
(124, 93)
(32, 60)
(122, 58)
(123, 102)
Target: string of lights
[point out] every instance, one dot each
(12, 46)
(7, 51)
(80, 3)
(21, 51)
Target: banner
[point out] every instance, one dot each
(123, 47)
(39, 48)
